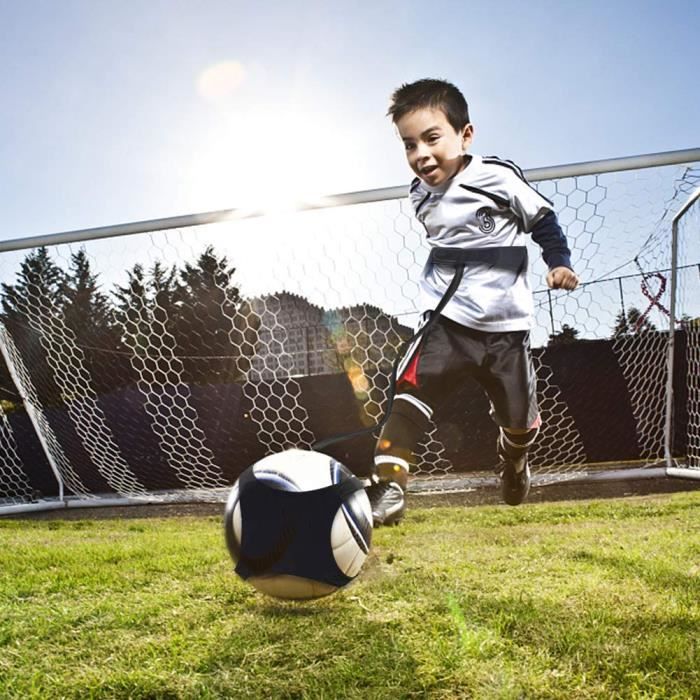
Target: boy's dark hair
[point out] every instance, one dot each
(433, 94)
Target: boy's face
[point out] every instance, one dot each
(433, 148)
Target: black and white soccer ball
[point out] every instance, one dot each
(298, 525)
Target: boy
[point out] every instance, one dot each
(467, 203)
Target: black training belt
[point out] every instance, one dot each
(512, 258)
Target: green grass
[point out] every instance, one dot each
(567, 600)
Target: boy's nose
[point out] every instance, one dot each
(422, 150)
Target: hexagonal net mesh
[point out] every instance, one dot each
(170, 360)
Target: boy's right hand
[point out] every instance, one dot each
(562, 278)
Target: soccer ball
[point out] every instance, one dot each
(298, 525)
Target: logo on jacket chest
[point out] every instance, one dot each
(484, 218)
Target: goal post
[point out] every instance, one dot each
(157, 359)
(685, 290)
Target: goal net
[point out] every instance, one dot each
(169, 360)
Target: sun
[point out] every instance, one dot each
(266, 157)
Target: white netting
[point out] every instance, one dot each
(619, 229)
(173, 359)
(14, 484)
(270, 376)
(33, 408)
(74, 381)
(167, 396)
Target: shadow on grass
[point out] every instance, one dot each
(289, 610)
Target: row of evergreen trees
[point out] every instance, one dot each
(198, 300)
(629, 322)
(194, 304)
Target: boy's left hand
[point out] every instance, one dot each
(562, 278)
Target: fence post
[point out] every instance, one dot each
(551, 312)
(622, 305)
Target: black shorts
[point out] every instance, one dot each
(501, 363)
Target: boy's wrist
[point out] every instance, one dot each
(558, 260)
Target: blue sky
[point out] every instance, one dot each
(123, 111)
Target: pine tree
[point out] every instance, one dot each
(131, 308)
(215, 328)
(88, 313)
(210, 300)
(631, 322)
(195, 306)
(37, 291)
(39, 281)
(148, 296)
(566, 335)
(87, 310)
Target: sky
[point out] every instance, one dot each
(140, 109)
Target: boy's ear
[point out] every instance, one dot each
(467, 134)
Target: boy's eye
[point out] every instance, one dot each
(409, 146)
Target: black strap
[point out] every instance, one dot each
(506, 257)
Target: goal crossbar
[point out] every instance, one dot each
(554, 172)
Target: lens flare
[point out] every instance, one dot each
(359, 382)
(219, 81)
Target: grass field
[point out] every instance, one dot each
(564, 600)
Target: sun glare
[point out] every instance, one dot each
(271, 158)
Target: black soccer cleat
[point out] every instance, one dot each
(515, 485)
(387, 501)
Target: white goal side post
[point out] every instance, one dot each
(157, 359)
(685, 237)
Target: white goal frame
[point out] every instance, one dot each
(673, 467)
(130, 491)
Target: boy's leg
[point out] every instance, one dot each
(511, 384)
(394, 453)
(425, 375)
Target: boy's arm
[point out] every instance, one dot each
(548, 235)
(538, 218)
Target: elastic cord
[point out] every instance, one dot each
(432, 320)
